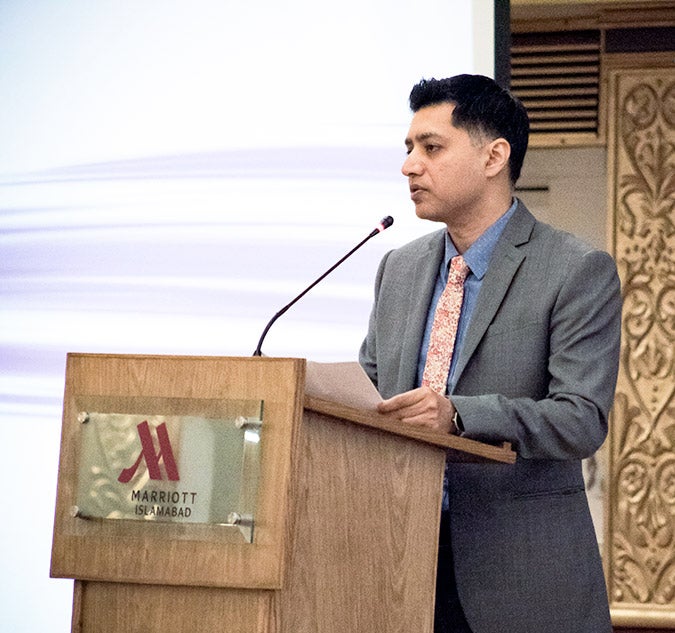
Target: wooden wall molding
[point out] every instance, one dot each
(556, 15)
(640, 517)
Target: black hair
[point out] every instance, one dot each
(482, 108)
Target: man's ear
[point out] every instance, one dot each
(498, 153)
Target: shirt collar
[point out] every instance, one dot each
(478, 255)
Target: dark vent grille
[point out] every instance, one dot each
(557, 77)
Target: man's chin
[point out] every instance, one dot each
(424, 213)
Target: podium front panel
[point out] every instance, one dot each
(163, 419)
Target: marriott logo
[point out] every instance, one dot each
(152, 457)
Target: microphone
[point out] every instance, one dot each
(385, 223)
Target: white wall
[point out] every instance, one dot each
(575, 198)
(171, 174)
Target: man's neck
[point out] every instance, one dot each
(466, 231)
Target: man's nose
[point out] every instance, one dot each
(411, 165)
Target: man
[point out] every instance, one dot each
(534, 364)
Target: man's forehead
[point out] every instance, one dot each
(430, 121)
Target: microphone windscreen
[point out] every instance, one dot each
(385, 223)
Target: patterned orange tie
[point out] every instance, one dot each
(444, 328)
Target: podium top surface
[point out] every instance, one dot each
(459, 449)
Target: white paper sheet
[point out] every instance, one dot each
(345, 383)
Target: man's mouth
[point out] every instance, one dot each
(415, 192)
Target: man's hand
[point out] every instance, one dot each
(421, 407)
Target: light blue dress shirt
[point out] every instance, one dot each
(477, 257)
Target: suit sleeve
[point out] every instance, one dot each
(570, 422)
(368, 351)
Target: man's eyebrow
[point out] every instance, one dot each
(425, 136)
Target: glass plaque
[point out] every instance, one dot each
(172, 468)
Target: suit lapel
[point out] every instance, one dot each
(506, 260)
(424, 271)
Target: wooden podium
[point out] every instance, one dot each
(346, 520)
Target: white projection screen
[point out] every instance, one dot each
(171, 174)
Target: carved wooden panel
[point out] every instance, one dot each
(640, 540)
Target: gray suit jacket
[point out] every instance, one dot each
(538, 369)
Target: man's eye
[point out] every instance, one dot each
(430, 149)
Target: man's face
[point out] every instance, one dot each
(445, 167)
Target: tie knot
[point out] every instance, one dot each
(458, 269)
